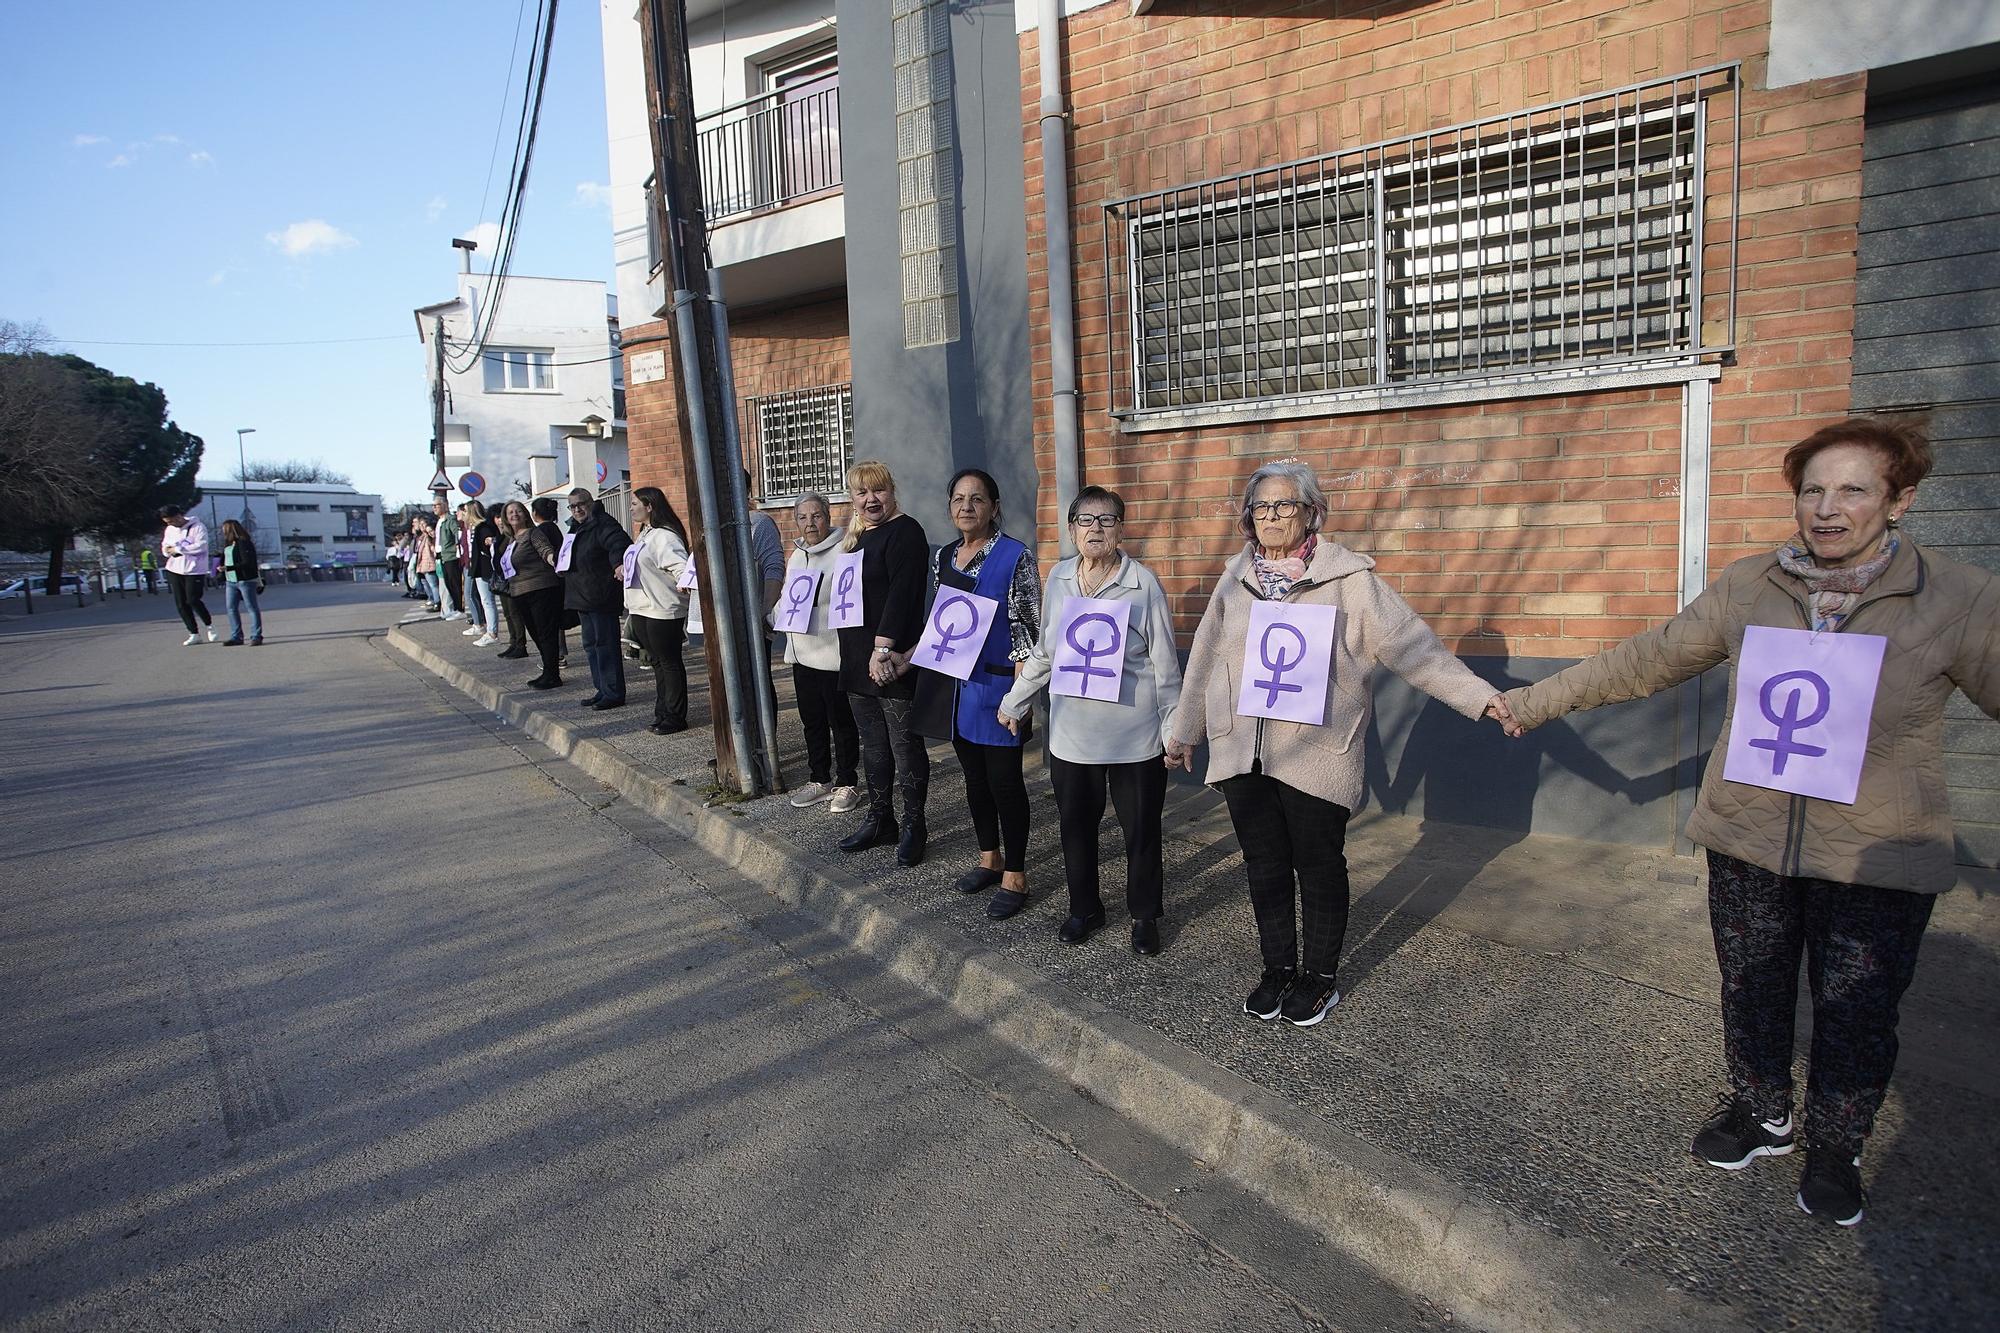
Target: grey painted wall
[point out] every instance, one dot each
(930, 411)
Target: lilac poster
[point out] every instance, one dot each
(843, 598)
(793, 614)
(687, 582)
(953, 632)
(630, 565)
(1287, 662)
(562, 556)
(507, 563)
(1803, 701)
(1090, 648)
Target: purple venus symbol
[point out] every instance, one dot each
(796, 597)
(1782, 746)
(947, 636)
(844, 585)
(1094, 649)
(1278, 664)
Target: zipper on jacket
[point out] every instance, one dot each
(1257, 741)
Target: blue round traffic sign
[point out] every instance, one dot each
(471, 485)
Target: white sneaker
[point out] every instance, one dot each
(483, 640)
(810, 794)
(452, 615)
(468, 633)
(190, 640)
(845, 799)
(212, 635)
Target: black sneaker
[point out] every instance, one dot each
(1265, 1001)
(1310, 997)
(1830, 1187)
(1735, 1137)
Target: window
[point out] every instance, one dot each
(298, 509)
(520, 370)
(1564, 238)
(805, 440)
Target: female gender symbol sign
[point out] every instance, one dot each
(1287, 661)
(795, 612)
(954, 630)
(1090, 630)
(844, 612)
(1803, 704)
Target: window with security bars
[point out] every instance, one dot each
(1568, 237)
(805, 440)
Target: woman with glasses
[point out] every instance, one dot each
(1115, 741)
(1291, 784)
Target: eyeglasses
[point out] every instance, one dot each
(578, 509)
(1262, 509)
(1099, 521)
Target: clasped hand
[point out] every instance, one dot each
(1496, 708)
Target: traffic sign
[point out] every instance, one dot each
(471, 484)
(440, 482)
(602, 472)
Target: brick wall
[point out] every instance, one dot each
(1546, 527)
(802, 347)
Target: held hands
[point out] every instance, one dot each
(1013, 727)
(1180, 756)
(1496, 708)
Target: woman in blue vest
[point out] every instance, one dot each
(986, 561)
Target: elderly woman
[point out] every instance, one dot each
(875, 662)
(1847, 878)
(1291, 785)
(833, 747)
(1115, 739)
(529, 565)
(986, 561)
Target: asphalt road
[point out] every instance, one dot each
(331, 1005)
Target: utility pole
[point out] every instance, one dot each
(730, 589)
(437, 398)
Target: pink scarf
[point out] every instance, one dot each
(1276, 577)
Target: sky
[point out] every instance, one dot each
(227, 172)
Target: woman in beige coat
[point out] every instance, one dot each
(1291, 785)
(1847, 883)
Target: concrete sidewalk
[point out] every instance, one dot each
(1496, 1117)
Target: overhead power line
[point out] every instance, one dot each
(273, 342)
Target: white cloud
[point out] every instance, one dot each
(166, 138)
(486, 234)
(87, 140)
(217, 278)
(201, 157)
(589, 194)
(435, 208)
(310, 237)
(122, 160)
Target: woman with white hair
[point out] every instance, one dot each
(1291, 781)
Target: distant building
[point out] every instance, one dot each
(541, 407)
(297, 523)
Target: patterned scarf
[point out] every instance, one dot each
(1834, 591)
(1276, 577)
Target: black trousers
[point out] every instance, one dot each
(543, 609)
(1295, 857)
(662, 641)
(997, 795)
(453, 574)
(1138, 793)
(517, 626)
(832, 743)
(892, 755)
(1860, 947)
(187, 589)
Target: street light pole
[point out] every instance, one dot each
(243, 476)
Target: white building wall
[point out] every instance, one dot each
(306, 520)
(1820, 39)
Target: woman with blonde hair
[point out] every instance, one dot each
(875, 662)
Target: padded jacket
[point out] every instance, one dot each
(1942, 622)
(1375, 628)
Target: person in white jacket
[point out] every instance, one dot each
(833, 746)
(185, 546)
(658, 609)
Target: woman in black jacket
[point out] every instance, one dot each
(484, 569)
(592, 589)
(240, 577)
(528, 565)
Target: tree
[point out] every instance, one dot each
(84, 450)
(18, 339)
(293, 470)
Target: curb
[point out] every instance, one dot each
(1427, 1236)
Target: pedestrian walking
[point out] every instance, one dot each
(1114, 738)
(1291, 784)
(149, 565)
(1844, 874)
(185, 546)
(656, 608)
(242, 580)
(591, 563)
(833, 746)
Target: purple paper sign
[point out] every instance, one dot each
(687, 582)
(843, 607)
(953, 632)
(507, 563)
(630, 565)
(1287, 662)
(562, 556)
(1803, 702)
(795, 604)
(1089, 653)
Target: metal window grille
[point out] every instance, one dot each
(805, 440)
(1561, 238)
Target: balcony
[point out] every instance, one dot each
(778, 149)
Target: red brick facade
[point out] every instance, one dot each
(1547, 527)
(802, 347)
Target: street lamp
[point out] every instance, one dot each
(243, 476)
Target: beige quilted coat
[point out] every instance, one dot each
(1942, 621)
(1375, 627)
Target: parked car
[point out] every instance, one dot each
(38, 584)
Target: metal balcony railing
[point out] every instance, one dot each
(769, 151)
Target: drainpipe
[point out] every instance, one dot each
(1061, 276)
